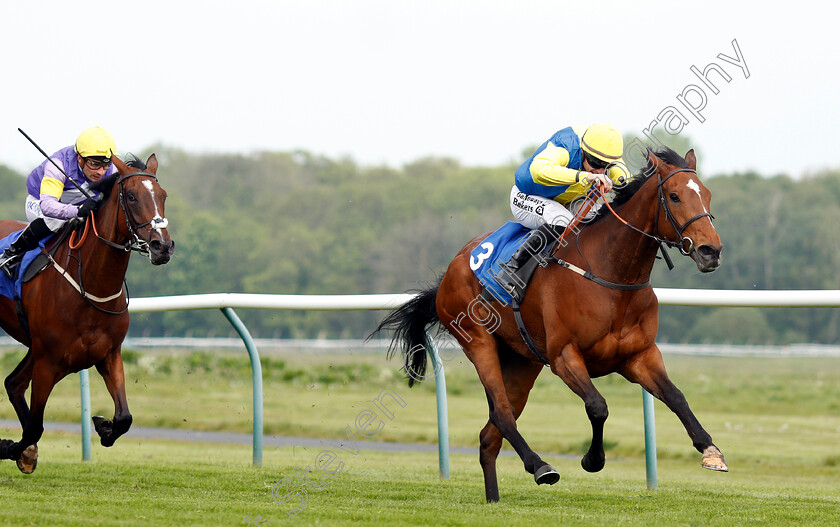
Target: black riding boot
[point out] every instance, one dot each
(537, 241)
(28, 240)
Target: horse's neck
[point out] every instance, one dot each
(617, 252)
(104, 267)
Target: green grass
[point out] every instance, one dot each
(171, 483)
(777, 420)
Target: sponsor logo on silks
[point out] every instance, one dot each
(540, 210)
(477, 260)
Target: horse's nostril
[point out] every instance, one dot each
(707, 251)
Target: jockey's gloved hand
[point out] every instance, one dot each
(601, 181)
(86, 207)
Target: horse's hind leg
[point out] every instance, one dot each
(571, 367)
(648, 370)
(111, 370)
(519, 375)
(485, 358)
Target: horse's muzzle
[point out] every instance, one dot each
(707, 258)
(160, 251)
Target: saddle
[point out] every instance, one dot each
(489, 259)
(521, 277)
(42, 260)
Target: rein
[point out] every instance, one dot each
(582, 212)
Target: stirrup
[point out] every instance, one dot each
(9, 264)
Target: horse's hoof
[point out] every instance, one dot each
(592, 466)
(28, 460)
(713, 460)
(99, 422)
(546, 475)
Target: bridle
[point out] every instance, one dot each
(135, 243)
(684, 249)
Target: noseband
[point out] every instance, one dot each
(681, 245)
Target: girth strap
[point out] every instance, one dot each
(524, 332)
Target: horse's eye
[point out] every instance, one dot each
(674, 198)
(131, 196)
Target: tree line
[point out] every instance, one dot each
(302, 223)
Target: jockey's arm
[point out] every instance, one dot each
(619, 173)
(549, 167)
(52, 187)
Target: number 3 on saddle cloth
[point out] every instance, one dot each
(487, 258)
(9, 288)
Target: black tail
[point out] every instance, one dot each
(409, 326)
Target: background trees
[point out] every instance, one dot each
(300, 223)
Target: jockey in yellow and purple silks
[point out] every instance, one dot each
(52, 200)
(551, 184)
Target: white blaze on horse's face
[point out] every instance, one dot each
(696, 188)
(157, 222)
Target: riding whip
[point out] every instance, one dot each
(88, 196)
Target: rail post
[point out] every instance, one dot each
(442, 411)
(84, 388)
(650, 439)
(256, 369)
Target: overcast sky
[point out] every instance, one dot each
(391, 81)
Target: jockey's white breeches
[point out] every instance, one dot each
(532, 211)
(33, 212)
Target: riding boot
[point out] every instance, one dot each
(509, 276)
(28, 240)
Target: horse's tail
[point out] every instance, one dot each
(409, 326)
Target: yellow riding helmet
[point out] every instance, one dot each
(604, 142)
(96, 142)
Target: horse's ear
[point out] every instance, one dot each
(122, 168)
(691, 159)
(652, 158)
(152, 164)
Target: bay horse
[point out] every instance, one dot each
(581, 328)
(74, 314)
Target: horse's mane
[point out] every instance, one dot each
(622, 195)
(106, 184)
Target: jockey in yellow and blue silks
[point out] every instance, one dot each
(562, 170)
(550, 185)
(52, 200)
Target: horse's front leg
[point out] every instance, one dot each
(111, 370)
(25, 452)
(570, 366)
(648, 370)
(16, 385)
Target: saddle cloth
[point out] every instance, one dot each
(494, 250)
(9, 288)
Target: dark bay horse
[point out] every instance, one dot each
(74, 313)
(582, 328)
